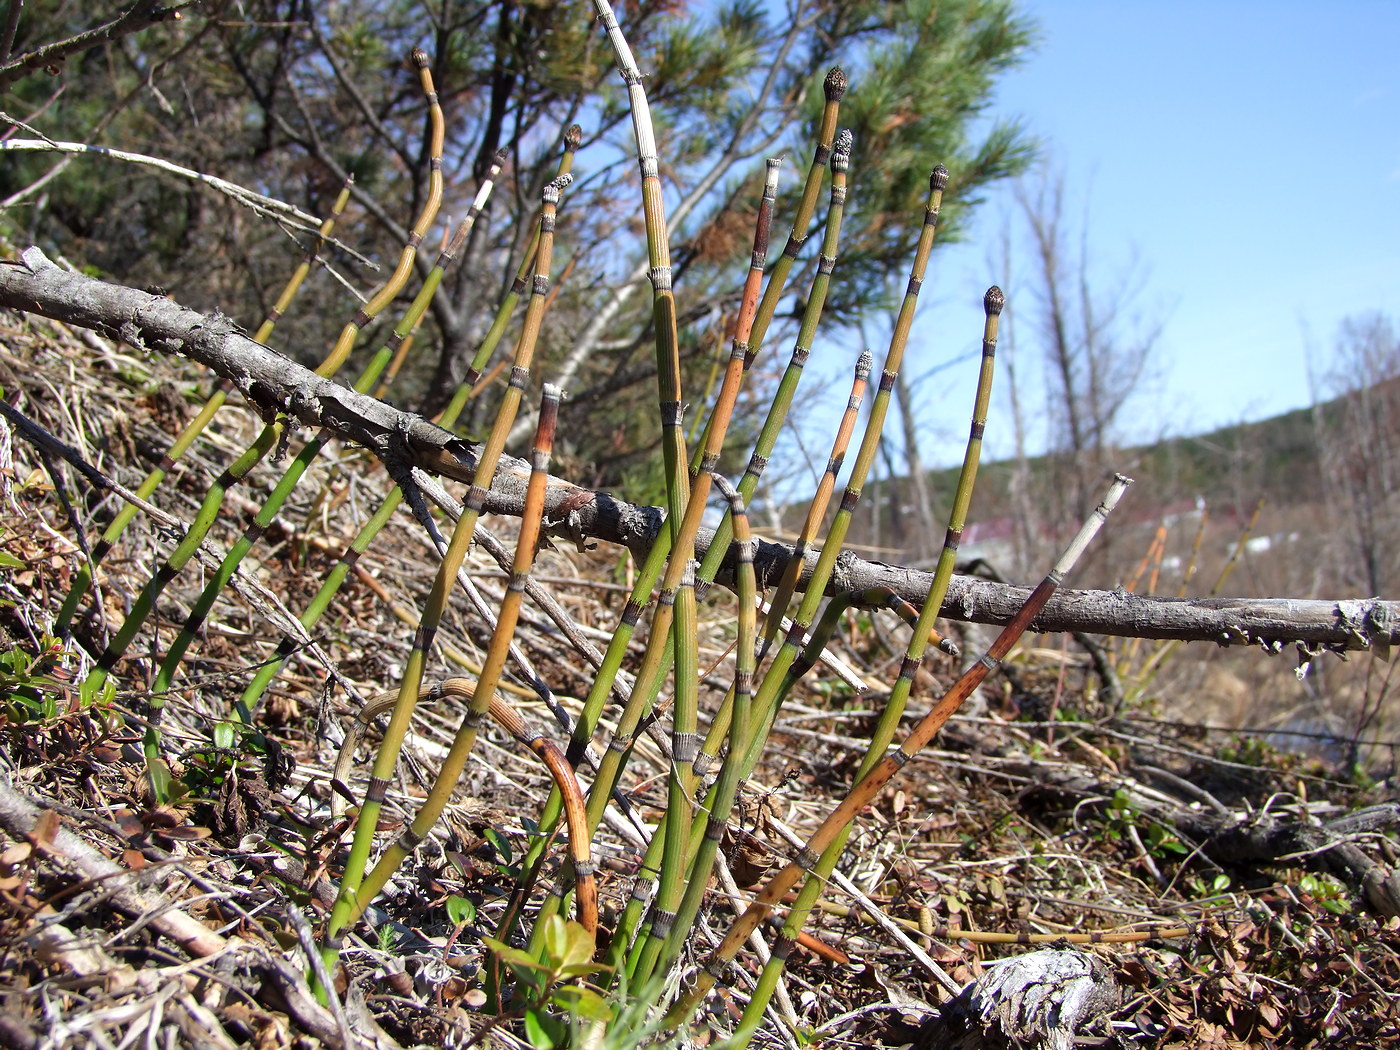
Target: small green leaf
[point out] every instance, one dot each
(9, 561)
(224, 735)
(542, 1031)
(556, 940)
(460, 910)
(500, 843)
(578, 949)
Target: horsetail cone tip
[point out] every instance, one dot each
(573, 136)
(938, 178)
(502, 155)
(420, 58)
(993, 301)
(844, 141)
(835, 84)
(864, 364)
(556, 186)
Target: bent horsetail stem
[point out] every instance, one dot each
(271, 435)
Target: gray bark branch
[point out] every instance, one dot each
(279, 386)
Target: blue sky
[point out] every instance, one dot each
(1242, 157)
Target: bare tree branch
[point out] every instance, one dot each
(279, 386)
(139, 16)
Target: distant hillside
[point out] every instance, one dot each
(1225, 472)
(1233, 466)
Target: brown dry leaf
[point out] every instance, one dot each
(45, 829)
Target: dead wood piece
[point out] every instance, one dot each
(1039, 1001)
(279, 386)
(1235, 839)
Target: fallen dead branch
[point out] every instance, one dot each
(405, 441)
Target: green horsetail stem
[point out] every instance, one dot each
(668, 362)
(648, 573)
(678, 593)
(283, 489)
(348, 904)
(271, 435)
(992, 303)
(865, 790)
(721, 799)
(668, 371)
(82, 580)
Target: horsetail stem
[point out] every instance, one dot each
(721, 799)
(650, 570)
(272, 434)
(870, 784)
(348, 903)
(82, 579)
(888, 723)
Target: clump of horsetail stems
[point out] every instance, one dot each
(448, 418)
(285, 486)
(881, 772)
(82, 579)
(708, 457)
(272, 435)
(779, 676)
(348, 902)
(745, 343)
